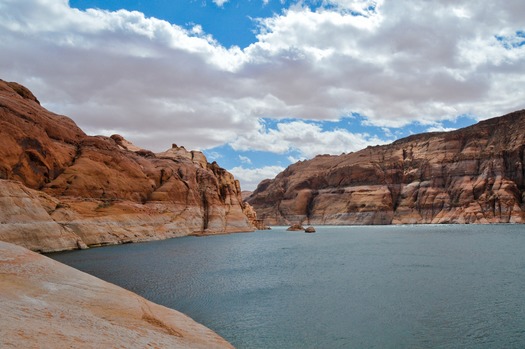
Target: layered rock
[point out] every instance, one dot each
(471, 175)
(101, 190)
(252, 217)
(45, 304)
(25, 219)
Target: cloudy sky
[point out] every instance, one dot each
(259, 84)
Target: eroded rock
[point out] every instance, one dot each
(295, 227)
(471, 175)
(309, 229)
(105, 190)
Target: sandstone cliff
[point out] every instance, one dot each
(45, 304)
(61, 189)
(471, 175)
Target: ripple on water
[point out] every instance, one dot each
(343, 287)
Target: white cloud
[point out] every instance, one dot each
(213, 156)
(294, 159)
(245, 159)
(357, 7)
(440, 128)
(305, 138)
(157, 83)
(220, 3)
(403, 61)
(153, 82)
(251, 177)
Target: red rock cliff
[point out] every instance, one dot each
(61, 189)
(471, 175)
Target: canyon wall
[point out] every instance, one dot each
(471, 175)
(62, 189)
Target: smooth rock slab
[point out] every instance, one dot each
(45, 304)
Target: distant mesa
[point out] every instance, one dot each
(245, 194)
(471, 175)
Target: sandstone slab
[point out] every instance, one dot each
(45, 304)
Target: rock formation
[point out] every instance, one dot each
(471, 175)
(295, 227)
(45, 304)
(61, 189)
(309, 229)
(252, 217)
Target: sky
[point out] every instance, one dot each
(260, 84)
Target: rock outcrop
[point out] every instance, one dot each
(295, 227)
(45, 304)
(252, 217)
(61, 189)
(471, 175)
(309, 229)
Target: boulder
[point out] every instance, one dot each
(295, 227)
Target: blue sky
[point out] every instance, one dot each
(259, 84)
(231, 23)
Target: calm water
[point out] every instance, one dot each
(446, 286)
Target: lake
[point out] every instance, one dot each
(417, 286)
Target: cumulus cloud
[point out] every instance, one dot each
(307, 139)
(245, 159)
(214, 156)
(220, 3)
(157, 83)
(356, 7)
(251, 177)
(151, 81)
(402, 61)
(440, 128)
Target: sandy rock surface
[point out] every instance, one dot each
(45, 304)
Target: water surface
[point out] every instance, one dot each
(432, 286)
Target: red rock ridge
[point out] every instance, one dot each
(471, 175)
(102, 190)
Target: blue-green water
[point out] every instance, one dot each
(436, 286)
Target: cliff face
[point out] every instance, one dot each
(61, 189)
(471, 175)
(45, 304)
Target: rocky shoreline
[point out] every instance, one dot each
(61, 189)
